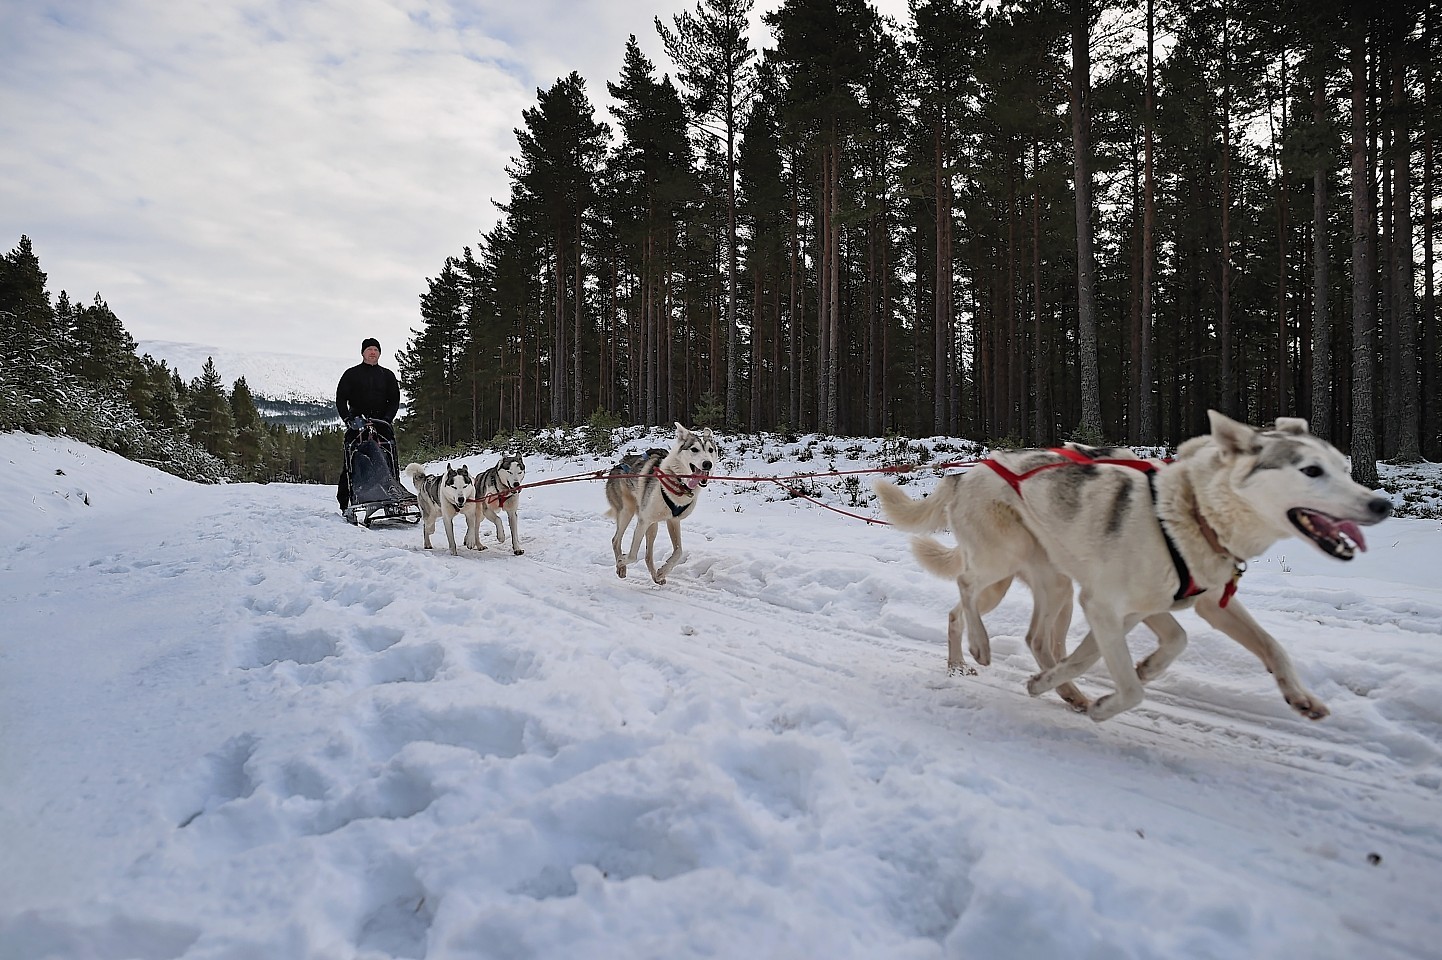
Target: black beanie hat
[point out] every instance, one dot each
(370, 342)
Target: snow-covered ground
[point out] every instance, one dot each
(232, 725)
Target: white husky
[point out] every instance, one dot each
(441, 498)
(659, 485)
(1142, 544)
(498, 490)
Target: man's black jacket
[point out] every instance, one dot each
(368, 390)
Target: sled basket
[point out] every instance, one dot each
(376, 493)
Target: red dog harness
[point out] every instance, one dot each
(1188, 586)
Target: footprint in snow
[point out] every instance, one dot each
(277, 644)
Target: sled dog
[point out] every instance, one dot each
(498, 490)
(1141, 544)
(993, 547)
(659, 485)
(441, 498)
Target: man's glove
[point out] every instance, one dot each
(358, 423)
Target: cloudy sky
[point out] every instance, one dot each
(277, 174)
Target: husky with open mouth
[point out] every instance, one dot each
(655, 486)
(498, 491)
(1140, 544)
(1142, 541)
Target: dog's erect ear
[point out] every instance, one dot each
(1233, 439)
(680, 430)
(1293, 425)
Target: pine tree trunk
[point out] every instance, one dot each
(1404, 385)
(1364, 440)
(793, 314)
(1041, 414)
(1431, 359)
(1090, 426)
(778, 411)
(868, 352)
(834, 308)
(941, 307)
(1131, 400)
(577, 381)
(1227, 401)
(823, 284)
(1321, 295)
(1283, 369)
(756, 318)
(665, 334)
(1146, 426)
(1006, 389)
(733, 387)
(558, 347)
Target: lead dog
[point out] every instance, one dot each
(498, 490)
(1139, 545)
(441, 498)
(658, 485)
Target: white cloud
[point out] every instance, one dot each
(272, 174)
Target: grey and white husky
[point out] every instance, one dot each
(655, 486)
(441, 498)
(1141, 545)
(498, 490)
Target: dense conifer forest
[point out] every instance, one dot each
(1013, 222)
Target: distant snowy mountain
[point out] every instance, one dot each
(274, 376)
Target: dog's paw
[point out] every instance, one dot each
(621, 570)
(1037, 684)
(1147, 670)
(960, 670)
(1104, 708)
(660, 580)
(1308, 705)
(981, 655)
(518, 551)
(1074, 698)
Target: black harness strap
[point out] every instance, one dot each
(676, 511)
(1188, 587)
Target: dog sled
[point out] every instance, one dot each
(376, 493)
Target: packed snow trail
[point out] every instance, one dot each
(236, 726)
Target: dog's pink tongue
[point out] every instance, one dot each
(1354, 533)
(691, 482)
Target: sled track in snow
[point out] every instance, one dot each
(1166, 720)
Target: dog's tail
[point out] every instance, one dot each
(934, 558)
(917, 516)
(415, 471)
